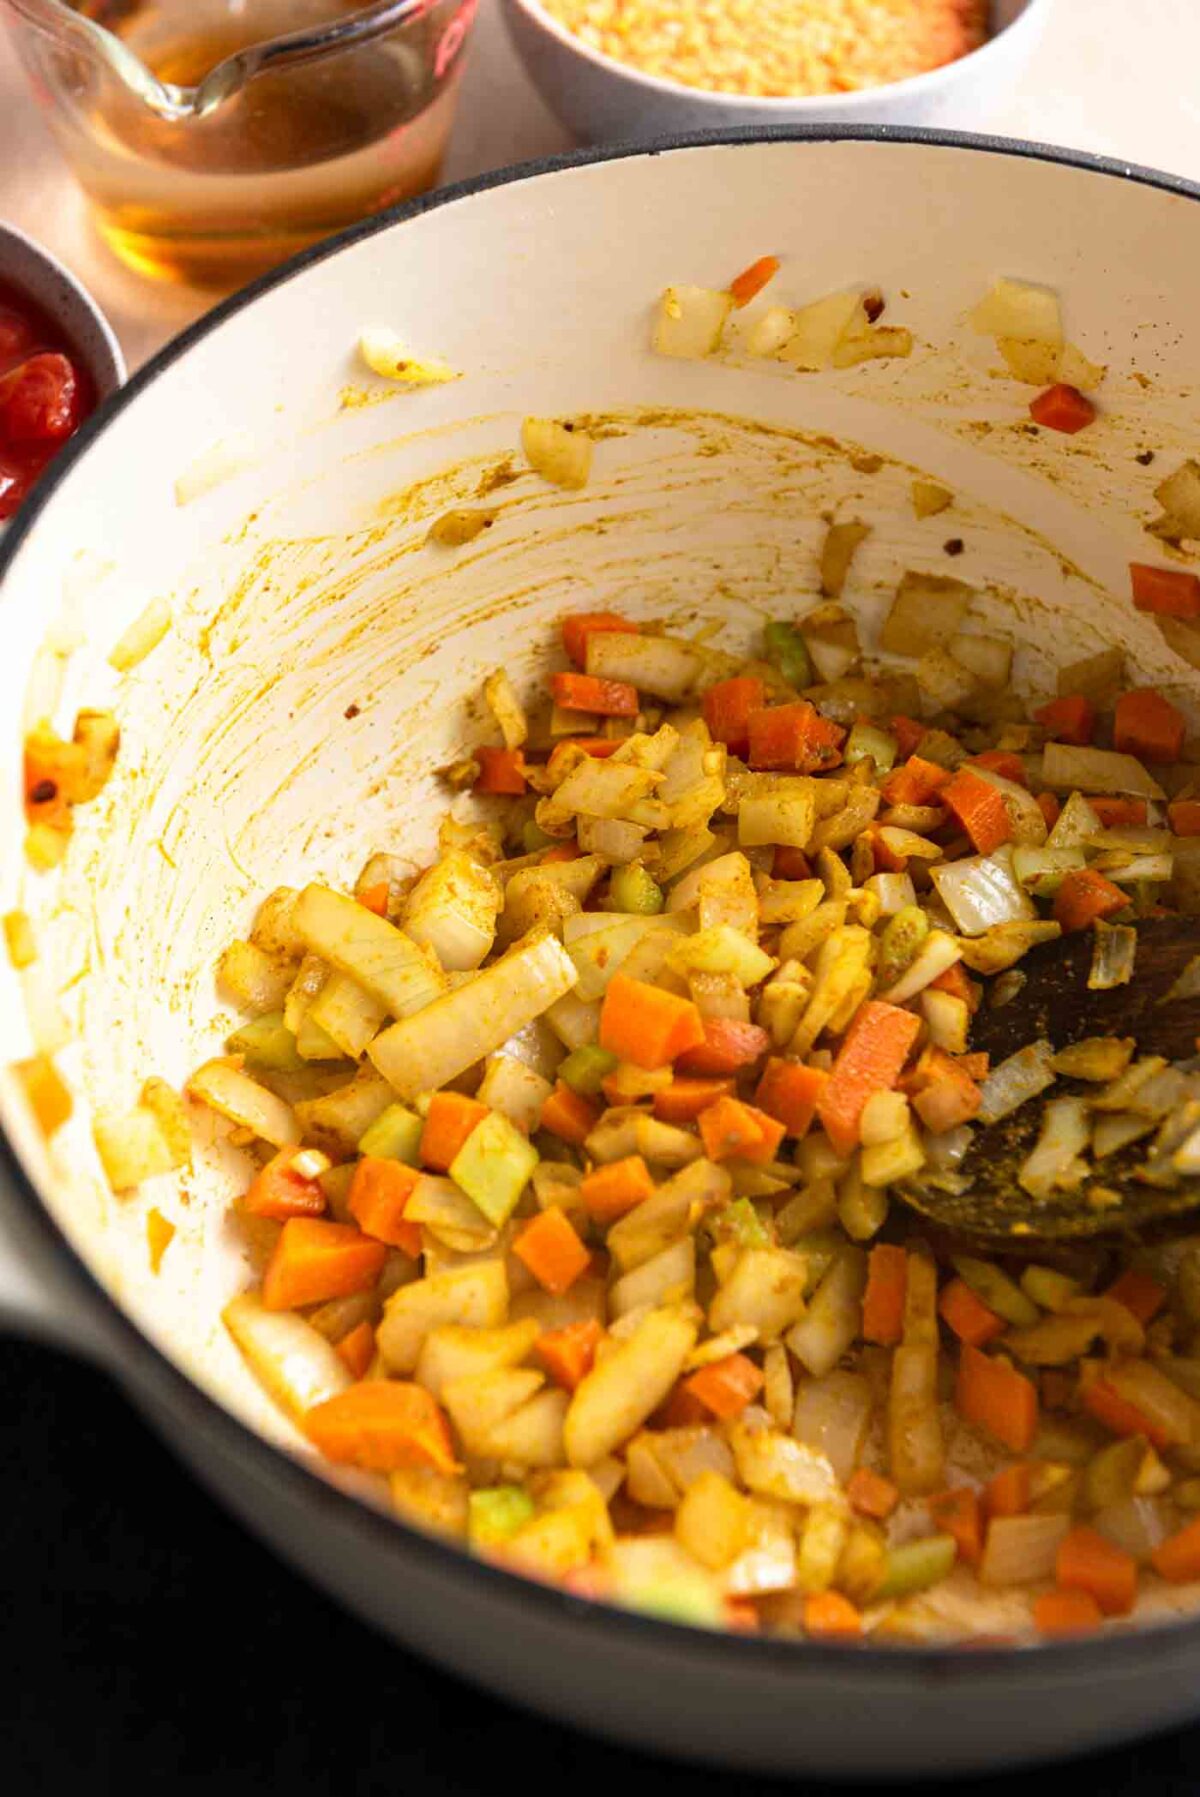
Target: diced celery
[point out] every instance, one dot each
(268, 1043)
(739, 1222)
(632, 889)
(997, 1290)
(496, 1513)
(867, 739)
(1048, 1287)
(786, 650)
(915, 1566)
(493, 1167)
(534, 837)
(684, 1601)
(900, 943)
(585, 1069)
(395, 1135)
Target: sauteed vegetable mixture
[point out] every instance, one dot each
(579, 1150)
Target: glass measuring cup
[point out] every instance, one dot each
(214, 138)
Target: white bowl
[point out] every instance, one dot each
(602, 100)
(324, 661)
(33, 271)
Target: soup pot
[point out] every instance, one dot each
(317, 673)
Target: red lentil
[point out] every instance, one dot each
(778, 47)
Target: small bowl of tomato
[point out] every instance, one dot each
(58, 360)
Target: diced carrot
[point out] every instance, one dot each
(732, 1130)
(944, 1094)
(450, 1119)
(741, 1616)
(884, 860)
(315, 1260)
(643, 1024)
(1114, 814)
(1057, 1389)
(682, 1409)
(883, 1300)
(580, 625)
(605, 698)
(1184, 817)
(727, 708)
(500, 771)
(1004, 763)
(1062, 408)
(1050, 806)
(279, 1191)
(980, 809)
(379, 1192)
(959, 984)
(567, 1354)
(829, 1616)
(725, 1387)
(871, 1494)
(917, 782)
(1008, 1493)
(752, 280)
(568, 1116)
(562, 851)
(383, 1425)
(553, 1252)
(1071, 719)
(45, 787)
(1148, 726)
(1088, 1561)
(975, 1065)
(684, 1099)
(608, 1192)
(1171, 592)
(969, 1317)
(873, 1052)
(994, 1396)
(1084, 896)
(958, 1513)
(791, 864)
(1058, 1614)
(909, 733)
(375, 898)
(1177, 1559)
(727, 1047)
(794, 738)
(1117, 1413)
(1140, 1294)
(356, 1351)
(789, 1091)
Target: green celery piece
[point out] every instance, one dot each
(585, 1069)
(786, 650)
(739, 1222)
(693, 1601)
(267, 1042)
(631, 889)
(493, 1167)
(395, 1135)
(997, 1291)
(534, 837)
(1049, 1288)
(900, 944)
(496, 1513)
(916, 1566)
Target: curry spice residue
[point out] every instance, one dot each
(776, 47)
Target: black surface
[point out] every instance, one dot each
(149, 1645)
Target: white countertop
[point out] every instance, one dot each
(1113, 76)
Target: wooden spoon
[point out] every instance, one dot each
(1055, 1004)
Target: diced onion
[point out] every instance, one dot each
(1066, 768)
(937, 954)
(981, 891)
(384, 353)
(1021, 1077)
(560, 455)
(1113, 955)
(666, 666)
(144, 634)
(295, 1363)
(1055, 1161)
(690, 321)
(1019, 309)
(1021, 1550)
(236, 1096)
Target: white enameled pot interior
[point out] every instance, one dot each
(324, 662)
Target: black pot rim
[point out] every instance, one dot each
(148, 1366)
